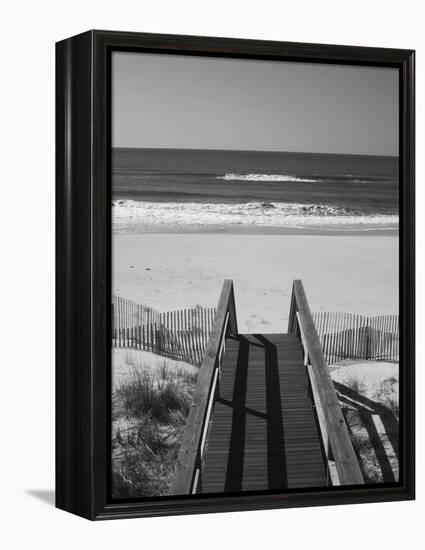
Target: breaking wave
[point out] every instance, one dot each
(265, 177)
(129, 216)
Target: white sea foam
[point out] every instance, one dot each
(130, 216)
(265, 177)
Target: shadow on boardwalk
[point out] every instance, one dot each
(276, 470)
(264, 435)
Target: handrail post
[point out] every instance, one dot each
(188, 472)
(331, 419)
(232, 310)
(292, 311)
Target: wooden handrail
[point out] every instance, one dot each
(337, 443)
(188, 469)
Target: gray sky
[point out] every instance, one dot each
(174, 101)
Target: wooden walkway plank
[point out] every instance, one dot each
(263, 434)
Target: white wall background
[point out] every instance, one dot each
(28, 32)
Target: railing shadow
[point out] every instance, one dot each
(276, 457)
(366, 408)
(235, 462)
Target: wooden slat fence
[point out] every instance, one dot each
(181, 334)
(128, 314)
(352, 336)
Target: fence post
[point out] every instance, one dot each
(368, 341)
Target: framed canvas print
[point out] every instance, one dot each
(235, 274)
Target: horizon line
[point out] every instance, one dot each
(256, 151)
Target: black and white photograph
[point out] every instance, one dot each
(254, 275)
(211, 228)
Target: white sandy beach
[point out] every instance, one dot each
(356, 274)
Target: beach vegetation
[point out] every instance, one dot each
(372, 418)
(149, 416)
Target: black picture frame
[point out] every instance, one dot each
(83, 271)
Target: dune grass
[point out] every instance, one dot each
(372, 419)
(149, 415)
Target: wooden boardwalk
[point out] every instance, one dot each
(263, 434)
(265, 414)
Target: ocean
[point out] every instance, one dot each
(163, 190)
